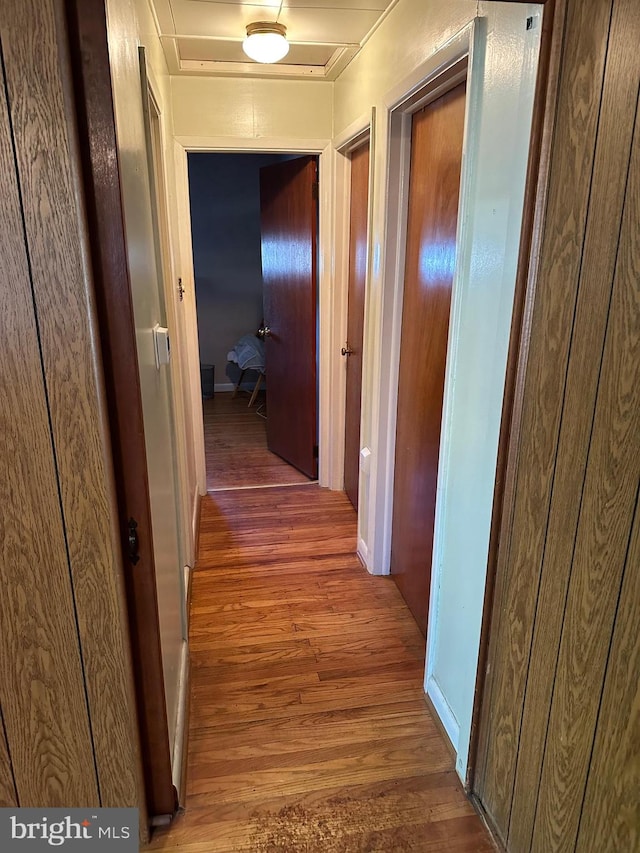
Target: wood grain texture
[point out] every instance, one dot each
(42, 110)
(98, 146)
(41, 679)
(309, 729)
(358, 228)
(8, 795)
(611, 813)
(617, 118)
(289, 229)
(580, 89)
(235, 443)
(434, 183)
(606, 515)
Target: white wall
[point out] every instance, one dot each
(411, 33)
(494, 173)
(181, 316)
(244, 108)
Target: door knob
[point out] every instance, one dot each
(346, 350)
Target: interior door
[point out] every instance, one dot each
(358, 221)
(120, 338)
(288, 214)
(434, 182)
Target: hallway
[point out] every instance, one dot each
(309, 731)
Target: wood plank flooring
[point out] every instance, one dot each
(236, 446)
(309, 730)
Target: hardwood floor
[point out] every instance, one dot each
(309, 730)
(236, 446)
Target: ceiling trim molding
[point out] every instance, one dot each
(307, 43)
(338, 61)
(171, 54)
(265, 144)
(162, 16)
(251, 69)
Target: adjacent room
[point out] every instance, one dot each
(247, 417)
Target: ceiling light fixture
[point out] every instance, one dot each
(266, 41)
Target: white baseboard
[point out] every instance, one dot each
(223, 386)
(182, 722)
(366, 555)
(362, 550)
(443, 709)
(195, 523)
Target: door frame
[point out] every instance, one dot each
(155, 133)
(330, 411)
(355, 135)
(454, 64)
(440, 73)
(101, 189)
(165, 264)
(533, 216)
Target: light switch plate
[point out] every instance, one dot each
(161, 344)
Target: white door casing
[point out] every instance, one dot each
(148, 298)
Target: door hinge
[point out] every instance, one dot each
(315, 191)
(180, 289)
(315, 451)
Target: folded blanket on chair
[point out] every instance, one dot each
(248, 353)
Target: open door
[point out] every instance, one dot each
(289, 224)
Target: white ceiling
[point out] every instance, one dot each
(205, 36)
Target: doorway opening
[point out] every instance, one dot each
(254, 222)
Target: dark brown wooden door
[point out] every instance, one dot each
(436, 154)
(355, 317)
(288, 212)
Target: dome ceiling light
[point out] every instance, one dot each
(266, 41)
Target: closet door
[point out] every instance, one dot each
(358, 221)
(434, 182)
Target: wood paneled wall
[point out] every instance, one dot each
(66, 694)
(559, 756)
